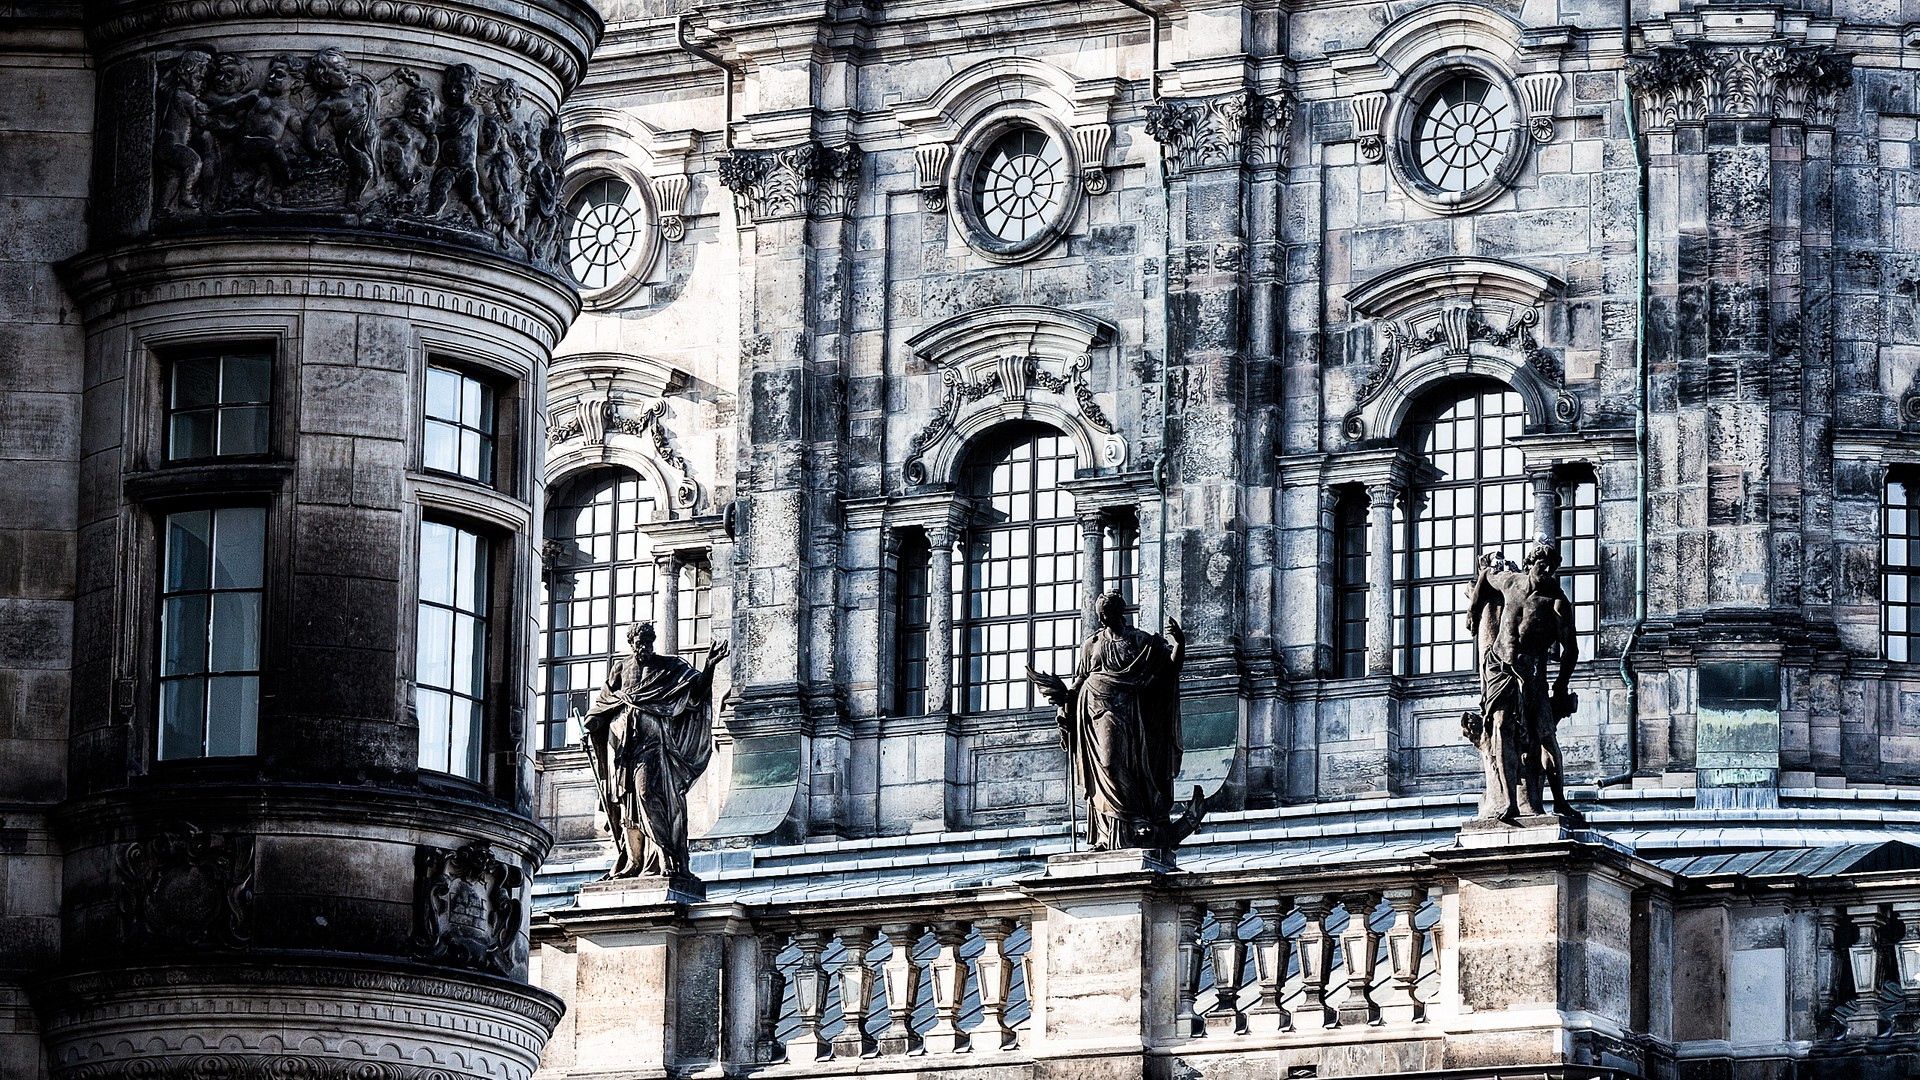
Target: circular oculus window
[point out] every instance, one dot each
(604, 238)
(1463, 133)
(1019, 185)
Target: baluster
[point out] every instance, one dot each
(1863, 963)
(1229, 961)
(1271, 952)
(1316, 956)
(1829, 992)
(773, 993)
(856, 989)
(1403, 952)
(1359, 948)
(949, 989)
(809, 997)
(1187, 1022)
(903, 987)
(996, 979)
(1906, 959)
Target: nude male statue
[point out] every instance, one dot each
(1522, 621)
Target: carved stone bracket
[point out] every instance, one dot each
(186, 888)
(792, 181)
(1693, 81)
(1369, 110)
(1091, 142)
(930, 162)
(1224, 131)
(1540, 93)
(320, 139)
(467, 908)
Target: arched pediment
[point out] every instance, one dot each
(1012, 363)
(611, 408)
(1449, 318)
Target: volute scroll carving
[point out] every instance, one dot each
(321, 139)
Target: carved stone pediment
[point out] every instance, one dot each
(613, 407)
(1456, 316)
(467, 909)
(1009, 363)
(1009, 86)
(183, 887)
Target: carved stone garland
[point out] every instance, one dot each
(1695, 80)
(317, 138)
(186, 888)
(1238, 128)
(1457, 329)
(596, 416)
(467, 909)
(792, 181)
(1010, 376)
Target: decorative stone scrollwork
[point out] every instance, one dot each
(467, 909)
(186, 888)
(791, 181)
(1232, 129)
(320, 139)
(1369, 110)
(1693, 81)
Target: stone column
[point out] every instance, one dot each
(940, 541)
(666, 585)
(1093, 526)
(1546, 504)
(1381, 497)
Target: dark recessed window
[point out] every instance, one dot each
(1350, 584)
(211, 588)
(1462, 133)
(600, 581)
(450, 643)
(218, 405)
(459, 425)
(1020, 604)
(1900, 566)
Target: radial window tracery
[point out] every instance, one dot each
(603, 241)
(1020, 181)
(1463, 133)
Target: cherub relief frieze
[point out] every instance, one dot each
(453, 153)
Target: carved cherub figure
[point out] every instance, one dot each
(504, 165)
(542, 230)
(340, 125)
(180, 132)
(267, 128)
(408, 142)
(462, 126)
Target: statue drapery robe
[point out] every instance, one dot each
(658, 723)
(1123, 734)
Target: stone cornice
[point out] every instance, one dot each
(558, 35)
(1231, 130)
(807, 179)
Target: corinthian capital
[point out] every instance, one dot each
(1226, 130)
(792, 181)
(1697, 80)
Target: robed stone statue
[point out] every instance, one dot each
(1523, 626)
(1120, 720)
(650, 735)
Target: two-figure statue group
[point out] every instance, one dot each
(649, 732)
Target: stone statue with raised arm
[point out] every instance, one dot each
(1522, 623)
(1120, 720)
(649, 736)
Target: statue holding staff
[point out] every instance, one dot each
(650, 736)
(1120, 720)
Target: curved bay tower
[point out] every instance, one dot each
(277, 387)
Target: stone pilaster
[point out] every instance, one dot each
(1381, 498)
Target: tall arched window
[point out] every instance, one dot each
(1480, 502)
(599, 582)
(1019, 601)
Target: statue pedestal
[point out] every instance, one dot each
(1080, 864)
(1531, 829)
(641, 892)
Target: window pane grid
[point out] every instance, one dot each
(1019, 602)
(914, 627)
(1481, 503)
(450, 641)
(1900, 567)
(217, 406)
(1580, 561)
(696, 605)
(211, 593)
(602, 581)
(459, 425)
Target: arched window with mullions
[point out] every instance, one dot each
(1478, 501)
(599, 582)
(1019, 598)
